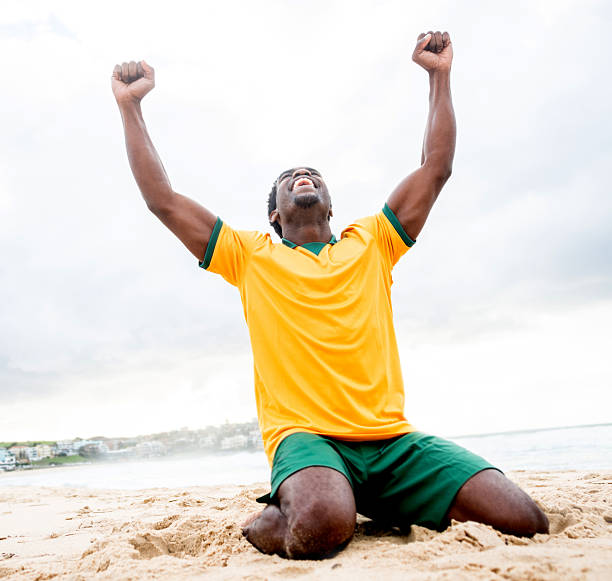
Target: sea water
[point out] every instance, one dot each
(575, 448)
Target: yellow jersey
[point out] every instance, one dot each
(321, 328)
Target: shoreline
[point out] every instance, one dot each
(182, 533)
(192, 455)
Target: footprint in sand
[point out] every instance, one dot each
(149, 546)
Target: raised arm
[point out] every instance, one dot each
(192, 223)
(414, 197)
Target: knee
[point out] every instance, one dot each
(527, 520)
(490, 498)
(534, 521)
(318, 529)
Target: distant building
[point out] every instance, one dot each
(208, 442)
(114, 445)
(7, 460)
(151, 448)
(21, 454)
(65, 448)
(255, 440)
(93, 448)
(44, 451)
(32, 453)
(237, 442)
(82, 443)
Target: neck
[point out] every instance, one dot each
(301, 234)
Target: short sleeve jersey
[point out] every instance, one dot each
(321, 328)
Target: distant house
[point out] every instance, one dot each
(255, 440)
(113, 445)
(238, 442)
(93, 448)
(21, 454)
(7, 460)
(97, 446)
(32, 453)
(43, 451)
(65, 448)
(208, 441)
(149, 449)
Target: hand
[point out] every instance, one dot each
(132, 81)
(434, 51)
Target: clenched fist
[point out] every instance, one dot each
(132, 81)
(434, 51)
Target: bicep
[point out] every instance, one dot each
(191, 222)
(413, 198)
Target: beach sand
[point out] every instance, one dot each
(66, 533)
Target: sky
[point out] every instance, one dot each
(503, 308)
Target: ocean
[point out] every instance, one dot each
(573, 448)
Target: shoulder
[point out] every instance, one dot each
(381, 224)
(384, 230)
(251, 239)
(228, 244)
(359, 228)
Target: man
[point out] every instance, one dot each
(328, 382)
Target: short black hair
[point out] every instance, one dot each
(271, 208)
(272, 201)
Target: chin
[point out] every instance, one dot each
(306, 200)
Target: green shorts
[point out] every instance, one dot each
(408, 479)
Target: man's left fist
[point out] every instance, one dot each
(434, 51)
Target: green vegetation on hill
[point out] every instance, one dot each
(30, 443)
(59, 460)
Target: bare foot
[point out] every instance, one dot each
(249, 520)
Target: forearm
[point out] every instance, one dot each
(440, 132)
(145, 163)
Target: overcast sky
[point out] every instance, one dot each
(503, 309)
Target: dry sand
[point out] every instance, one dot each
(62, 533)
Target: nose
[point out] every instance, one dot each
(301, 171)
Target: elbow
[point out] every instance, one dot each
(160, 207)
(155, 207)
(441, 170)
(445, 173)
(448, 173)
(161, 211)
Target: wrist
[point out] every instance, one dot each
(129, 105)
(439, 74)
(439, 81)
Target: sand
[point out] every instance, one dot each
(64, 533)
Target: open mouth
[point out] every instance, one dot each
(303, 182)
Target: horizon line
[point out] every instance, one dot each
(529, 430)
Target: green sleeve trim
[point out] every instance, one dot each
(212, 242)
(388, 212)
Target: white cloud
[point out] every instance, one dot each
(550, 370)
(96, 294)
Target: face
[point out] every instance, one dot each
(300, 189)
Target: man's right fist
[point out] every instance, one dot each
(132, 81)
(433, 51)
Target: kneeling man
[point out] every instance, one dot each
(328, 384)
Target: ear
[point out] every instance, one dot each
(274, 216)
(331, 212)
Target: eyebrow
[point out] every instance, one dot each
(290, 171)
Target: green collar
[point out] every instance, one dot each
(314, 247)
